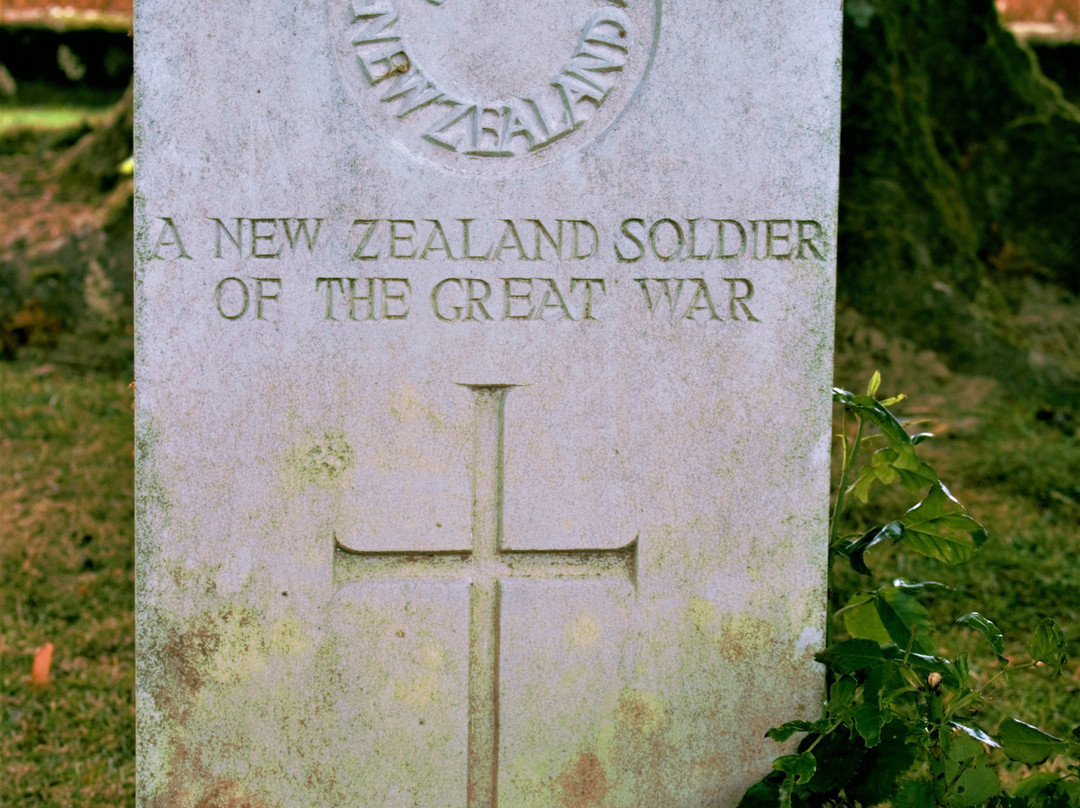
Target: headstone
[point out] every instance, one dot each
(483, 366)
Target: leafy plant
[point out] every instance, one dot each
(897, 727)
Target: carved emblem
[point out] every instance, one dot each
(471, 82)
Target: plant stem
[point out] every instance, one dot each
(1003, 673)
(936, 714)
(848, 459)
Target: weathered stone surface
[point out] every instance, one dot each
(483, 366)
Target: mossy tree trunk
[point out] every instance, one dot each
(960, 176)
(92, 166)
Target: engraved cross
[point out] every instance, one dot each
(485, 566)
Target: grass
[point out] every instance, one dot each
(66, 577)
(1019, 476)
(49, 118)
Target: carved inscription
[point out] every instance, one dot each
(719, 239)
(473, 240)
(234, 296)
(366, 298)
(265, 238)
(492, 127)
(475, 299)
(504, 270)
(490, 87)
(665, 295)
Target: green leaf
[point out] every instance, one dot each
(873, 679)
(987, 629)
(787, 788)
(851, 655)
(855, 550)
(960, 667)
(873, 411)
(765, 794)
(961, 749)
(887, 465)
(1026, 743)
(967, 768)
(875, 383)
(903, 703)
(974, 786)
(1034, 784)
(900, 454)
(785, 731)
(878, 470)
(801, 767)
(1048, 645)
(914, 474)
(914, 679)
(939, 528)
(876, 779)
(841, 696)
(914, 794)
(894, 685)
(921, 665)
(861, 619)
(838, 755)
(868, 723)
(906, 621)
(1049, 790)
(976, 733)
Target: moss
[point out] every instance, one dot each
(322, 459)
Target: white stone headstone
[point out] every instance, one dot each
(483, 366)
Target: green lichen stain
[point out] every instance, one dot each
(640, 712)
(617, 768)
(745, 638)
(633, 749)
(237, 688)
(224, 792)
(322, 459)
(222, 646)
(736, 637)
(286, 637)
(414, 423)
(422, 690)
(152, 502)
(200, 578)
(701, 613)
(584, 632)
